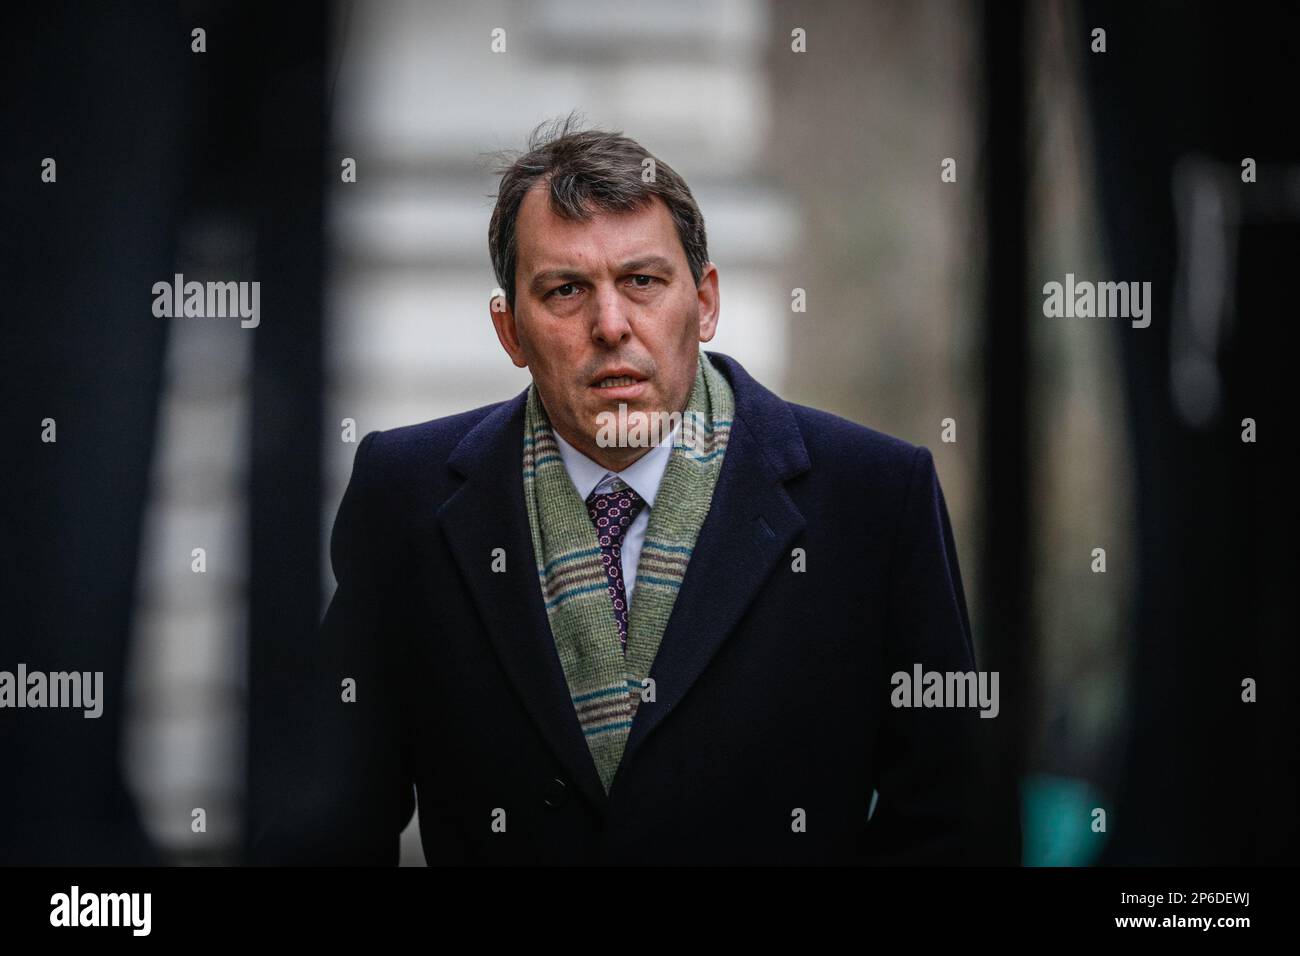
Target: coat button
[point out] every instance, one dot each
(555, 792)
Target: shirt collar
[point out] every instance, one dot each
(643, 476)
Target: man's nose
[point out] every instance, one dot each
(611, 325)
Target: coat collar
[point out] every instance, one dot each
(750, 526)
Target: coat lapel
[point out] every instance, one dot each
(487, 512)
(749, 529)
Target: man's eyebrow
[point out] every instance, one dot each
(550, 275)
(546, 276)
(658, 263)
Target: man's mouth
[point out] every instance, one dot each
(621, 383)
(614, 382)
(616, 376)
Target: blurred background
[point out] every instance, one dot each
(919, 169)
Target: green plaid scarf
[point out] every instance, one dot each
(605, 685)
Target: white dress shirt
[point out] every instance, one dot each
(642, 476)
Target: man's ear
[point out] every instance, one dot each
(710, 304)
(503, 320)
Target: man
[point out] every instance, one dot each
(581, 640)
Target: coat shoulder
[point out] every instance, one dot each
(398, 457)
(838, 444)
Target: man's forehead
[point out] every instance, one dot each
(541, 232)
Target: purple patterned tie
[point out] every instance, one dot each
(612, 514)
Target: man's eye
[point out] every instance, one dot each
(649, 280)
(559, 290)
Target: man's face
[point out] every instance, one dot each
(609, 296)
